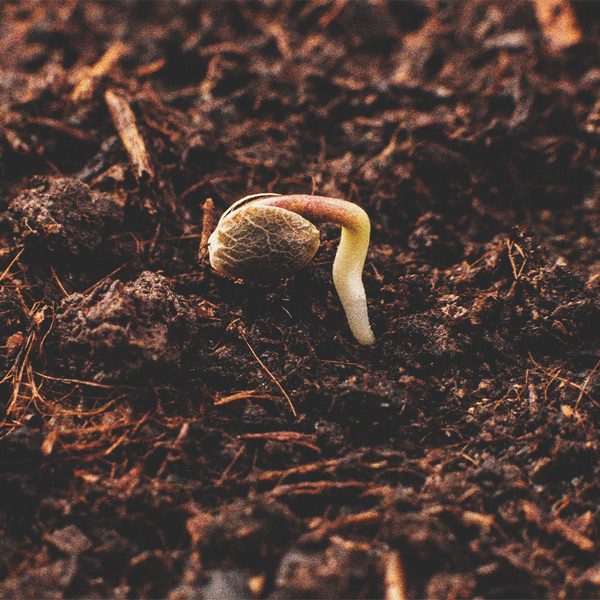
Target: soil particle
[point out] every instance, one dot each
(337, 571)
(64, 214)
(237, 535)
(48, 581)
(70, 540)
(434, 239)
(122, 332)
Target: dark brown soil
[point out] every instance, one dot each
(149, 446)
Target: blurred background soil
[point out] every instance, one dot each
(166, 432)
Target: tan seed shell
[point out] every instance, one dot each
(262, 242)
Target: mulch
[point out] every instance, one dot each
(167, 432)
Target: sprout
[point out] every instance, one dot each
(268, 235)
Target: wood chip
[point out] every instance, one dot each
(84, 90)
(124, 121)
(556, 526)
(558, 22)
(69, 539)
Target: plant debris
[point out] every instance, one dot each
(166, 432)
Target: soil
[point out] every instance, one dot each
(167, 432)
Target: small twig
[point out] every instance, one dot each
(213, 74)
(101, 281)
(291, 437)
(88, 383)
(12, 262)
(395, 584)
(281, 475)
(269, 373)
(58, 281)
(326, 466)
(151, 68)
(565, 381)
(125, 434)
(208, 224)
(62, 128)
(585, 384)
(18, 372)
(385, 153)
(85, 88)
(509, 246)
(334, 10)
(326, 527)
(314, 488)
(230, 465)
(534, 514)
(155, 238)
(248, 395)
(124, 121)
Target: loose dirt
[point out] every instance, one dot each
(149, 446)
